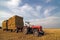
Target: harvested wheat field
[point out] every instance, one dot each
(50, 34)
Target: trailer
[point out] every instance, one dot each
(5, 25)
(15, 23)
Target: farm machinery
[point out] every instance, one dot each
(16, 23)
(36, 30)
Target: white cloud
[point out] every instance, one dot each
(38, 7)
(27, 10)
(48, 10)
(10, 3)
(36, 11)
(30, 10)
(49, 22)
(13, 3)
(24, 10)
(5, 14)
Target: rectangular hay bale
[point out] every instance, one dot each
(15, 21)
(5, 24)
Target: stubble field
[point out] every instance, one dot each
(50, 34)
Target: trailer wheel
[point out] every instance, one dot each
(11, 30)
(35, 32)
(17, 30)
(25, 30)
(3, 29)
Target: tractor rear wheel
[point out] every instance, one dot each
(25, 30)
(35, 32)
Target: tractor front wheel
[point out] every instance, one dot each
(35, 32)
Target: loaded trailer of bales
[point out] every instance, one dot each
(5, 25)
(14, 23)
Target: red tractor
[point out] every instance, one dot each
(36, 30)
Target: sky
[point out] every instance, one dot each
(37, 12)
